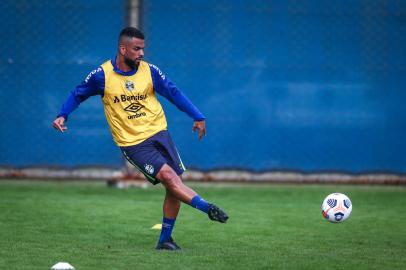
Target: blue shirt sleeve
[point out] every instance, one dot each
(166, 88)
(91, 86)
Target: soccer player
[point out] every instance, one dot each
(128, 86)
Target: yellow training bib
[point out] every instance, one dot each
(131, 106)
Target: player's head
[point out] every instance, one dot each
(131, 46)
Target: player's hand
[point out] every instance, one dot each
(201, 127)
(59, 124)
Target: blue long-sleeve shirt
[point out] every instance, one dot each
(94, 85)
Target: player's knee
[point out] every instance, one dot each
(168, 177)
(170, 183)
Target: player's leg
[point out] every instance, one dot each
(170, 173)
(148, 159)
(158, 159)
(171, 205)
(170, 212)
(173, 182)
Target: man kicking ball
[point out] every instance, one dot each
(127, 85)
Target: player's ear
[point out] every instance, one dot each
(122, 49)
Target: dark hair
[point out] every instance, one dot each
(131, 32)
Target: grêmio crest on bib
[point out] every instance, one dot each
(129, 85)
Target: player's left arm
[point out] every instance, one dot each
(166, 88)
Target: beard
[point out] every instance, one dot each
(129, 62)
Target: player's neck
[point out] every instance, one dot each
(121, 65)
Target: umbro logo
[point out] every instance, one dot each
(133, 107)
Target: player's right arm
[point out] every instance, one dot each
(92, 85)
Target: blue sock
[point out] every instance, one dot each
(167, 227)
(199, 203)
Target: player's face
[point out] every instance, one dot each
(133, 52)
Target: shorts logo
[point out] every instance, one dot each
(129, 85)
(149, 168)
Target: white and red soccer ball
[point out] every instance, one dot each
(336, 207)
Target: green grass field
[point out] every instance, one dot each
(270, 227)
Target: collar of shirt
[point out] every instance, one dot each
(117, 70)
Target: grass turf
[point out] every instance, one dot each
(270, 227)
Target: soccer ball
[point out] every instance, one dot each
(336, 207)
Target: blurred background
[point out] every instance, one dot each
(308, 86)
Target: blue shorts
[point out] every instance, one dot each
(150, 155)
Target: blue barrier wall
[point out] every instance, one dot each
(315, 85)
(47, 48)
(307, 85)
